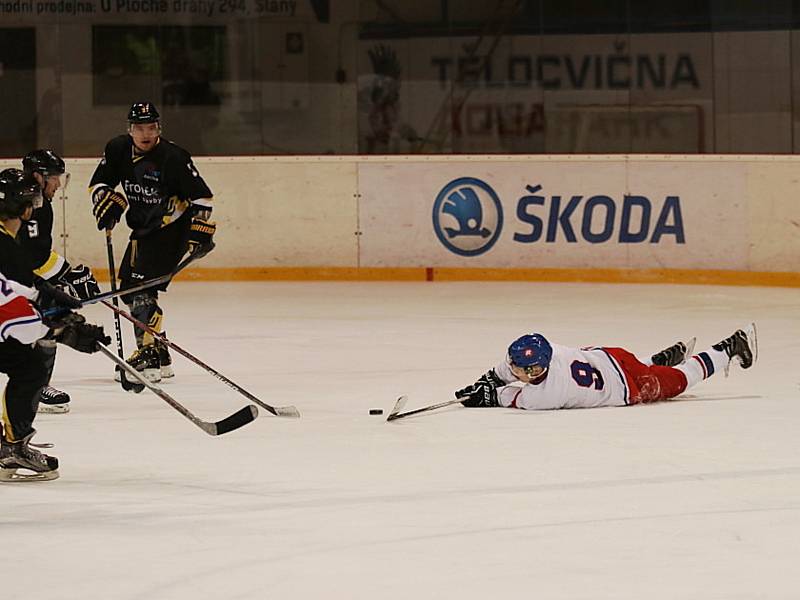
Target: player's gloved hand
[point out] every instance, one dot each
(81, 282)
(482, 393)
(201, 233)
(58, 320)
(108, 207)
(51, 296)
(72, 330)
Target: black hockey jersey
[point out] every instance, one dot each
(14, 261)
(159, 185)
(36, 238)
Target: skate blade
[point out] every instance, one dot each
(26, 475)
(690, 344)
(752, 341)
(53, 409)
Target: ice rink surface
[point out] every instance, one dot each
(698, 498)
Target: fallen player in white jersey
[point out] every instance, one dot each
(539, 376)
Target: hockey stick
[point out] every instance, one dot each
(241, 417)
(128, 386)
(278, 411)
(138, 287)
(155, 281)
(401, 402)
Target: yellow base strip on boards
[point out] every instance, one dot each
(674, 276)
(295, 274)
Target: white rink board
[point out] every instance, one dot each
(269, 213)
(737, 212)
(705, 196)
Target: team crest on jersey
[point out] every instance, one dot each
(151, 173)
(33, 228)
(467, 216)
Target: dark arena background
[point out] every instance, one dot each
(401, 190)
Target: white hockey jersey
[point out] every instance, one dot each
(18, 318)
(577, 378)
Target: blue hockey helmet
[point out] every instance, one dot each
(530, 355)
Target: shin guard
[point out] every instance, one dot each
(145, 308)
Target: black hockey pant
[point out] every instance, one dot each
(27, 374)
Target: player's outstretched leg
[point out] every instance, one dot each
(674, 355)
(19, 455)
(742, 345)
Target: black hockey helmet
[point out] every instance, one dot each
(18, 191)
(143, 112)
(45, 162)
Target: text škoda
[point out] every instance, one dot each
(599, 218)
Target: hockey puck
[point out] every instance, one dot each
(376, 411)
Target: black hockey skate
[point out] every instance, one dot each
(35, 465)
(53, 401)
(146, 361)
(165, 359)
(674, 355)
(742, 345)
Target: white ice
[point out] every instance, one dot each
(698, 498)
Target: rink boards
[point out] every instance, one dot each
(709, 219)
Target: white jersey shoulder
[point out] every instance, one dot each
(577, 378)
(18, 318)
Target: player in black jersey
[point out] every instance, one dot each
(36, 237)
(167, 206)
(22, 326)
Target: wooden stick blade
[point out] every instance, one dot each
(287, 411)
(399, 405)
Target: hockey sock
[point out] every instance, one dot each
(145, 308)
(703, 365)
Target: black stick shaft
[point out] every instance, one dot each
(136, 288)
(241, 417)
(112, 274)
(416, 411)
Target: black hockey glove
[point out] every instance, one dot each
(200, 235)
(108, 207)
(72, 330)
(482, 393)
(50, 296)
(81, 282)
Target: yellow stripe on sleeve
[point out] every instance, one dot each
(51, 267)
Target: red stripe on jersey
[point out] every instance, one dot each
(16, 308)
(514, 401)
